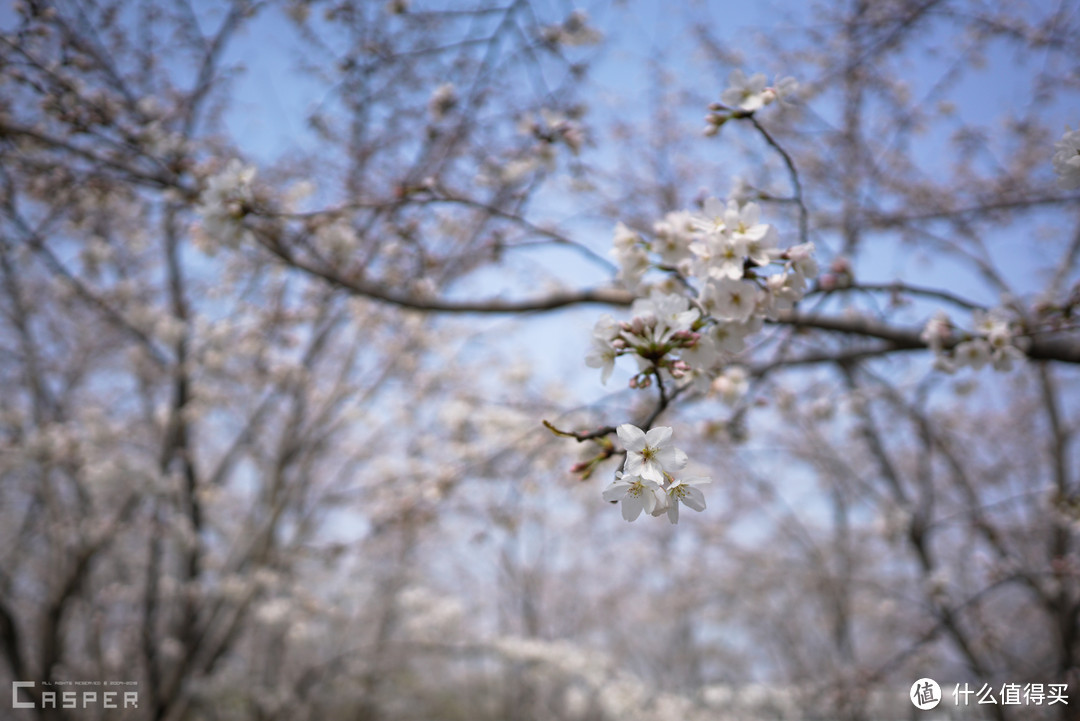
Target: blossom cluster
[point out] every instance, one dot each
(993, 340)
(647, 481)
(745, 95)
(726, 275)
(553, 128)
(225, 200)
(551, 131)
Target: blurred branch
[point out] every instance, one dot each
(897, 288)
(793, 174)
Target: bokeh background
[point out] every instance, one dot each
(288, 289)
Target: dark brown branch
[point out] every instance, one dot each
(375, 291)
(1062, 349)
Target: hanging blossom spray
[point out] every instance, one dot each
(725, 274)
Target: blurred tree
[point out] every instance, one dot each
(261, 457)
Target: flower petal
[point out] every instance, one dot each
(651, 471)
(648, 499)
(694, 498)
(671, 458)
(615, 491)
(632, 437)
(658, 436)
(609, 366)
(631, 507)
(673, 513)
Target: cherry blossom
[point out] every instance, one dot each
(684, 491)
(745, 93)
(636, 493)
(650, 455)
(223, 204)
(752, 93)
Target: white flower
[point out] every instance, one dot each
(650, 455)
(606, 328)
(783, 89)
(702, 356)
(731, 385)
(632, 258)
(752, 93)
(937, 331)
(636, 493)
(673, 236)
(624, 239)
(730, 337)
(1067, 159)
(733, 300)
(672, 310)
(785, 289)
(713, 218)
(801, 260)
(223, 204)
(743, 92)
(719, 255)
(974, 353)
(686, 492)
(994, 326)
(602, 355)
(1005, 357)
(749, 233)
